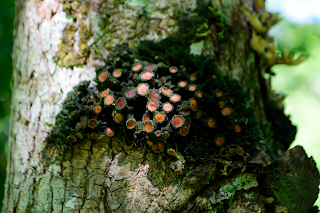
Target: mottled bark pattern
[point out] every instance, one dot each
(57, 45)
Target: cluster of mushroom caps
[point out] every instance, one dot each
(169, 107)
(160, 117)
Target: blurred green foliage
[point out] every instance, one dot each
(301, 83)
(6, 42)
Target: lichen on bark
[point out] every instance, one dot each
(73, 49)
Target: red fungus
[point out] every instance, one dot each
(193, 104)
(184, 111)
(187, 122)
(160, 117)
(192, 77)
(211, 122)
(136, 67)
(147, 75)
(151, 67)
(130, 93)
(182, 84)
(121, 102)
(153, 95)
(105, 92)
(97, 109)
(171, 151)
(103, 76)
(109, 132)
(108, 100)
(240, 151)
(93, 123)
(152, 105)
(145, 116)
(173, 69)
(219, 93)
(177, 121)
(94, 136)
(226, 111)
(166, 134)
(184, 131)
(84, 122)
(143, 89)
(199, 94)
(219, 141)
(192, 87)
(158, 133)
(79, 135)
(160, 146)
(131, 123)
(197, 114)
(71, 138)
(175, 98)
(179, 172)
(118, 117)
(78, 125)
(237, 128)
(117, 73)
(148, 126)
(167, 92)
(167, 107)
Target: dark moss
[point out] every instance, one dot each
(283, 130)
(199, 142)
(194, 28)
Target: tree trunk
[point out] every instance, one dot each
(58, 44)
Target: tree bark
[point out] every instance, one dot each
(58, 44)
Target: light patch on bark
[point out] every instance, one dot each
(132, 182)
(39, 89)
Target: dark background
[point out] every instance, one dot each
(6, 27)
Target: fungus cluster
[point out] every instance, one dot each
(161, 97)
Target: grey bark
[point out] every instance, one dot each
(58, 44)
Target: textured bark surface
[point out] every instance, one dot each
(58, 44)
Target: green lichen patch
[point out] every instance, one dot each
(66, 41)
(200, 175)
(210, 21)
(298, 175)
(66, 55)
(84, 35)
(228, 189)
(73, 48)
(247, 203)
(74, 9)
